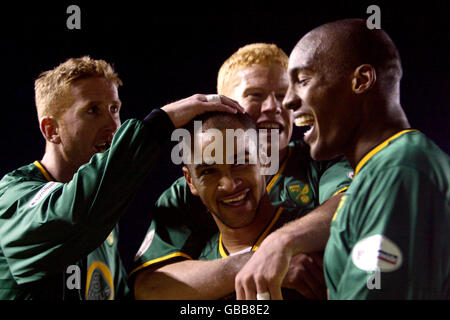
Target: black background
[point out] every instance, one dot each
(164, 51)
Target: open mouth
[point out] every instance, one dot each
(270, 125)
(102, 147)
(236, 199)
(305, 120)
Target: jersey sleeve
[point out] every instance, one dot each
(45, 227)
(178, 230)
(336, 178)
(401, 223)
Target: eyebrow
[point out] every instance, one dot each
(202, 165)
(301, 69)
(260, 88)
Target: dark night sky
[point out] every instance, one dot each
(170, 51)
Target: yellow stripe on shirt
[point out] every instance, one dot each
(378, 149)
(167, 257)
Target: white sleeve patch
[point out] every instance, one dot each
(377, 253)
(43, 192)
(145, 244)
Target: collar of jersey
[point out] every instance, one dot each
(44, 172)
(280, 171)
(224, 253)
(378, 148)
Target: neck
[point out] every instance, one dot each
(56, 165)
(377, 128)
(283, 155)
(239, 239)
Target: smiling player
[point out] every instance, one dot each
(394, 221)
(256, 77)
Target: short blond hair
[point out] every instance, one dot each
(51, 86)
(251, 54)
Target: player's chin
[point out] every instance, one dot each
(321, 152)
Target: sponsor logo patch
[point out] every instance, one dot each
(43, 192)
(377, 252)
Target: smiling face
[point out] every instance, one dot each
(89, 123)
(231, 192)
(321, 99)
(260, 90)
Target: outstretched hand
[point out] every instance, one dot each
(183, 111)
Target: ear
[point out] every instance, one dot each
(364, 78)
(188, 177)
(50, 129)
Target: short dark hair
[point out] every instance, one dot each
(359, 45)
(221, 121)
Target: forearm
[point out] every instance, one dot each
(309, 233)
(190, 279)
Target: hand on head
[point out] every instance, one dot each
(183, 111)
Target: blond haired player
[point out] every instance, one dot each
(58, 216)
(169, 264)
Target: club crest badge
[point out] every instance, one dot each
(300, 192)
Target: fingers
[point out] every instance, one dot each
(250, 286)
(225, 104)
(245, 289)
(231, 102)
(275, 291)
(183, 111)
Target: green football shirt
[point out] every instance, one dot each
(59, 240)
(390, 235)
(181, 227)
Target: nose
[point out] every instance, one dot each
(291, 100)
(112, 121)
(271, 104)
(229, 183)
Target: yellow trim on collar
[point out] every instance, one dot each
(221, 249)
(379, 148)
(43, 171)
(263, 236)
(260, 238)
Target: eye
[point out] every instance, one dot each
(303, 81)
(206, 172)
(114, 109)
(93, 110)
(256, 95)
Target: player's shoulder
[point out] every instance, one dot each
(410, 156)
(414, 151)
(413, 146)
(176, 194)
(28, 173)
